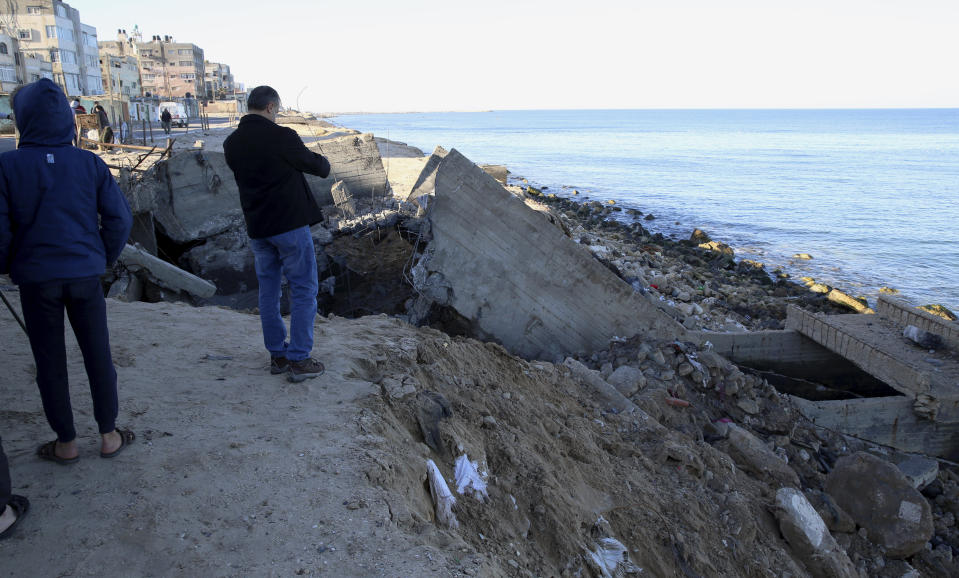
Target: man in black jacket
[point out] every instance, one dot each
(268, 162)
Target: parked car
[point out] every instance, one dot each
(177, 112)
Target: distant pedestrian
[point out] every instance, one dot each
(77, 107)
(12, 507)
(268, 162)
(165, 119)
(102, 119)
(63, 220)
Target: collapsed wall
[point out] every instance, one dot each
(516, 277)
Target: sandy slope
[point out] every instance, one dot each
(234, 472)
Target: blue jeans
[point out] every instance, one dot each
(292, 255)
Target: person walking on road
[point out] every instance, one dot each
(63, 220)
(268, 162)
(165, 120)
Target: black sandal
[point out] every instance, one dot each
(126, 438)
(48, 451)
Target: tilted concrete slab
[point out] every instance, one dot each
(196, 196)
(518, 279)
(355, 160)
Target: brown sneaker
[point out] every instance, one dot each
(279, 365)
(305, 369)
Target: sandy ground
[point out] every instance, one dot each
(234, 471)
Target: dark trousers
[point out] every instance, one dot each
(43, 307)
(5, 487)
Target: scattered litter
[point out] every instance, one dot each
(469, 479)
(443, 498)
(610, 554)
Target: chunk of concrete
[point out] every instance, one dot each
(755, 457)
(498, 172)
(426, 183)
(809, 538)
(226, 260)
(881, 500)
(627, 380)
(601, 390)
(920, 471)
(355, 160)
(197, 197)
(165, 274)
(517, 279)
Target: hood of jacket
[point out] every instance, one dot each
(43, 115)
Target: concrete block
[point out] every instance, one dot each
(809, 538)
(355, 160)
(165, 274)
(919, 470)
(198, 196)
(519, 280)
(755, 457)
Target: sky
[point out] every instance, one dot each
(435, 55)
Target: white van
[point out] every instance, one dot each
(177, 112)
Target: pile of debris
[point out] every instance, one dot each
(662, 454)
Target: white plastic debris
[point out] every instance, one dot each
(443, 498)
(469, 480)
(610, 554)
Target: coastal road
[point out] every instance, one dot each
(7, 142)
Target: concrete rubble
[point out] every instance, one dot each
(462, 253)
(516, 278)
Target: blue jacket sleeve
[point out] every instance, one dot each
(116, 220)
(6, 230)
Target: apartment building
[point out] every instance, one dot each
(170, 69)
(11, 70)
(219, 81)
(50, 31)
(120, 66)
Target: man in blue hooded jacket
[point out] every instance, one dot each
(63, 219)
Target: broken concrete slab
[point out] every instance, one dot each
(165, 274)
(355, 160)
(517, 279)
(809, 538)
(498, 172)
(197, 197)
(890, 421)
(750, 453)
(426, 183)
(919, 470)
(881, 500)
(226, 260)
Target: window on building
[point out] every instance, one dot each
(51, 31)
(95, 84)
(184, 51)
(3, 48)
(34, 77)
(8, 73)
(72, 83)
(54, 56)
(25, 34)
(188, 76)
(65, 34)
(186, 63)
(68, 56)
(34, 9)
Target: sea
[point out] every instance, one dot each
(872, 195)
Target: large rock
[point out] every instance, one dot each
(627, 380)
(196, 196)
(753, 455)
(883, 501)
(517, 279)
(809, 538)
